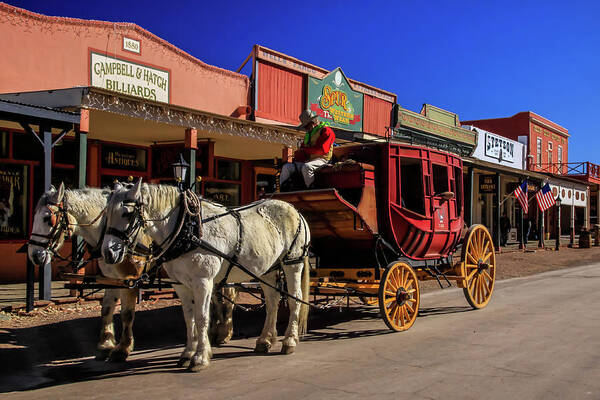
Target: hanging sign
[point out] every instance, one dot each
(499, 147)
(129, 78)
(123, 158)
(487, 184)
(335, 102)
(13, 201)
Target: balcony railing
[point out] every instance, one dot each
(584, 169)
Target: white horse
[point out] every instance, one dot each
(60, 214)
(273, 232)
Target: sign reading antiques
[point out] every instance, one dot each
(123, 158)
(335, 102)
(487, 184)
(129, 78)
(499, 147)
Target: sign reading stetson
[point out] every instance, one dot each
(335, 102)
(499, 147)
(129, 78)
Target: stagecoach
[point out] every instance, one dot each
(384, 216)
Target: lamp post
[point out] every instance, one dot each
(558, 202)
(180, 169)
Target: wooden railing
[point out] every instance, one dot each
(586, 168)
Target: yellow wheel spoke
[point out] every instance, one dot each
(470, 276)
(487, 257)
(471, 266)
(390, 293)
(412, 310)
(473, 260)
(485, 273)
(411, 291)
(389, 300)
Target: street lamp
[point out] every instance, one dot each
(180, 171)
(558, 202)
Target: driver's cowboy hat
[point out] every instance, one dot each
(306, 117)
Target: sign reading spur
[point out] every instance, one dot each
(129, 78)
(335, 102)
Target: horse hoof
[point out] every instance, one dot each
(285, 349)
(184, 362)
(102, 355)
(262, 348)
(196, 367)
(118, 356)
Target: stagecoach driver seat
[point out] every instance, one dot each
(314, 152)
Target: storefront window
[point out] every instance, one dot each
(26, 147)
(227, 194)
(458, 189)
(68, 176)
(65, 152)
(4, 143)
(265, 183)
(228, 170)
(539, 152)
(14, 185)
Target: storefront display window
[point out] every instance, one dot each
(4, 143)
(65, 152)
(228, 170)
(14, 187)
(26, 147)
(227, 194)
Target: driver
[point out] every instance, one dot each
(314, 152)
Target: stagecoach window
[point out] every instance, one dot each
(411, 175)
(458, 189)
(440, 178)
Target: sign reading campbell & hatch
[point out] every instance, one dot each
(129, 78)
(335, 102)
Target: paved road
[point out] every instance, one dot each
(538, 339)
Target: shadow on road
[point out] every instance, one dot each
(60, 353)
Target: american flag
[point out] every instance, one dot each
(521, 195)
(545, 198)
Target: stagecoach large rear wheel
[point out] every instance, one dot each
(399, 296)
(478, 266)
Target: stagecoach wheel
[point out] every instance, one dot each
(399, 296)
(478, 266)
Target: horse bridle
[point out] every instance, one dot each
(59, 223)
(134, 224)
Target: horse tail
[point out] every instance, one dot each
(304, 308)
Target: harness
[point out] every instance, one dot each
(188, 236)
(59, 222)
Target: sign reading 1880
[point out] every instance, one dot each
(129, 78)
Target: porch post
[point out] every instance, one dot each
(191, 144)
(572, 226)
(81, 140)
(45, 274)
(498, 213)
(541, 229)
(522, 229)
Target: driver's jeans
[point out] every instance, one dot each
(307, 169)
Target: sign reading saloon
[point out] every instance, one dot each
(335, 102)
(499, 147)
(129, 78)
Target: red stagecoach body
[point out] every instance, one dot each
(390, 191)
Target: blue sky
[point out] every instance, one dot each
(480, 59)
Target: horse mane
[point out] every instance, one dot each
(86, 203)
(159, 199)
